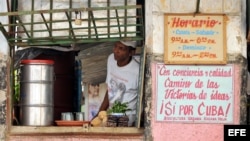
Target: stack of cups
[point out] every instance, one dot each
(79, 116)
(69, 116)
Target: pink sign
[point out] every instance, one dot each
(202, 94)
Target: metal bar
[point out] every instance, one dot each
(24, 28)
(141, 22)
(125, 19)
(78, 36)
(48, 29)
(89, 22)
(10, 99)
(51, 16)
(32, 19)
(14, 5)
(69, 10)
(98, 27)
(118, 22)
(70, 15)
(66, 20)
(70, 25)
(141, 87)
(70, 41)
(4, 31)
(108, 17)
(76, 28)
(197, 7)
(94, 24)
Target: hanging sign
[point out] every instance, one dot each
(196, 94)
(194, 39)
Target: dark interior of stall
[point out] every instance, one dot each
(64, 83)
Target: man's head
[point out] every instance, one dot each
(131, 44)
(123, 51)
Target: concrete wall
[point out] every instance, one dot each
(4, 59)
(234, 9)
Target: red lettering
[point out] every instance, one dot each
(170, 109)
(210, 110)
(186, 110)
(183, 23)
(200, 112)
(163, 71)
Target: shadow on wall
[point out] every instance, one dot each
(3, 112)
(3, 72)
(3, 85)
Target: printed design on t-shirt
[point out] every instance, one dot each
(117, 91)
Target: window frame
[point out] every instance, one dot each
(27, 130)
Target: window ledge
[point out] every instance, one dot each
(28, 130)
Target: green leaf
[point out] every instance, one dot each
(119, 107)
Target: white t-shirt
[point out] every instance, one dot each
(123, 83)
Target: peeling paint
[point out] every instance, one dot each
(3, 112)
(3, 72)
(239, 39)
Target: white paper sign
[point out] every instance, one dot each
(202, 94)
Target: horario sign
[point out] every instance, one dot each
(194, 39)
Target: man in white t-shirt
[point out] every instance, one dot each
(122, 78)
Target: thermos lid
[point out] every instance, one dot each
(47, 62)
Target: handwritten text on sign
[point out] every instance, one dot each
(198, 39)
(194, 93)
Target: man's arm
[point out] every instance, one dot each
(105, 103)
